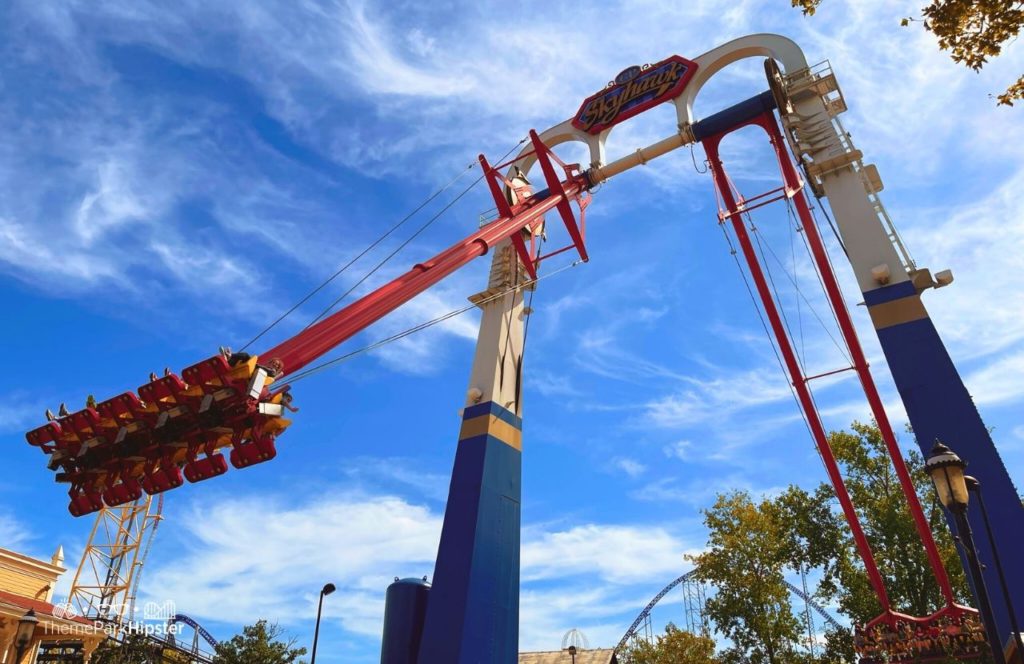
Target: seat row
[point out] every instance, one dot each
(111, 452)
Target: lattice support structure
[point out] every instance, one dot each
(104, 582)
(694, 599)
(807, 617)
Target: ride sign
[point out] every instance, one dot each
(634, 90)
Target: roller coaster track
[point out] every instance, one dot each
(814, 605)
(200, 631)
(631, 632)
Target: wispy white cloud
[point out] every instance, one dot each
(715, 398)
(361, 541)
(630, 467)
(700, 492)
(551, 385)
(998, 383)
(983, 241)
(381, 69)
(383, 471)
(598, 611)
(679, 450)
(600, 352)
(13, 533)
(613, 553)
(19, 411)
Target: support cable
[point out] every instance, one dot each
(693, 158)
(772, 342)
(767, 332)
(807, 178)
(810, 392)
(828, 258)
(810, 306)
(422, 326)
(365, 251)
(526, 325)
(771, 280)
(412, 237)
(794, 228)
(831, 225)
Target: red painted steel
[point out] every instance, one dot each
(300, 350)
(952, 628)
(735, 215)
(860, 362)
(114, 451)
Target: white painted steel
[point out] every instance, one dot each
(870, 239)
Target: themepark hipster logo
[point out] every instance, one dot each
(157, 619)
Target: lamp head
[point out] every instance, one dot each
(328, 589)
(946, 470)
(26, 628)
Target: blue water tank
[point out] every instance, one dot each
(405, 608)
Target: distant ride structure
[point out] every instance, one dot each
(190, 653)
(106, 582)
(575, 638)
(694, 596)
(175, 427)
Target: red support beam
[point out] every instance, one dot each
(925, 636)
(308, 345)
(860, 362)
(114, 450)
(734, 214)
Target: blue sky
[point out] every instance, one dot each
(171, 179)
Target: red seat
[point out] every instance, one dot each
(162, 388)
(212, 465)
(125, 491)
(48, 433)
(129, 401)
(84, 501)
(164, 478)
(82, 422)
(207, 372)
(123, 409)
(254, 452)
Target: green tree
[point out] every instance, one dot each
(971, 30)
(676, 646)
(135, 648)
(258, 644)
(746, 558)
(820, 537)
(820, 534)
(751, 546)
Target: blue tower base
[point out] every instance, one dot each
(940, 408)
(473, 613)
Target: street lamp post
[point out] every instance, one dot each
(974, 486)
(26, 629)
(326, 590)
(946, 470)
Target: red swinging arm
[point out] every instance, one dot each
(111, 452)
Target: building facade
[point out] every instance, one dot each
(27, 584)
